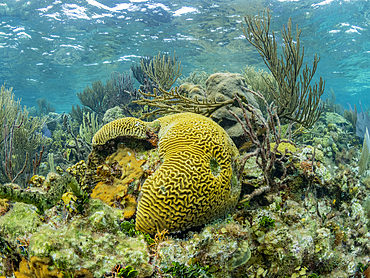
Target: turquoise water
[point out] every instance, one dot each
(53, 49)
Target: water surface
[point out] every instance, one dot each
(54, 49)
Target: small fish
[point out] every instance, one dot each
(46, 131)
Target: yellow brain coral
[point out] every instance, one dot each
(130, 127)
(194, 184)
(196, 181)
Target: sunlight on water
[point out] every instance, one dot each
(51, 49)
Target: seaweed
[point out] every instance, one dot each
(128, 227)
(296, 100)
(267, 222)
(127, 272)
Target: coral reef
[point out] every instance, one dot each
(223, 87)
(113, 114)
(197, 77)
(42, 200)
(114, 187)
(215, 101)
(93, 242)
(222, 247)
(175, 102)
(37, 267)
(192, 91)
(208, 176)
(88, 127)
(99, 97)
(255, 80)
(304, 210)
(12, 226)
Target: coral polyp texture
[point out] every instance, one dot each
(196, 181)
(125, 127)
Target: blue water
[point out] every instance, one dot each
(53, 49)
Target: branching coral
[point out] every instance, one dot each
(172, 101)
(20, 140)
(266, 156)
(163, 70)
(99, 97)
(296, 100)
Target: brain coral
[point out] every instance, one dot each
(130, 127)
(196, 181)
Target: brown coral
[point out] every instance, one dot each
(4, 206)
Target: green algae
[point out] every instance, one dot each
(22, 220)
(94, 242)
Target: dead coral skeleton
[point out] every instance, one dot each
(266, 157)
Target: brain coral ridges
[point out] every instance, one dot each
(183, 192)
(186, 190)
(125, 127)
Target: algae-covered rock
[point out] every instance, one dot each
(192, 91)
(20, 221)
(93, 242)
(221, 246)
(241, 255)
(335, 118)
(225, 84)
(222, 87)
(113, 114)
